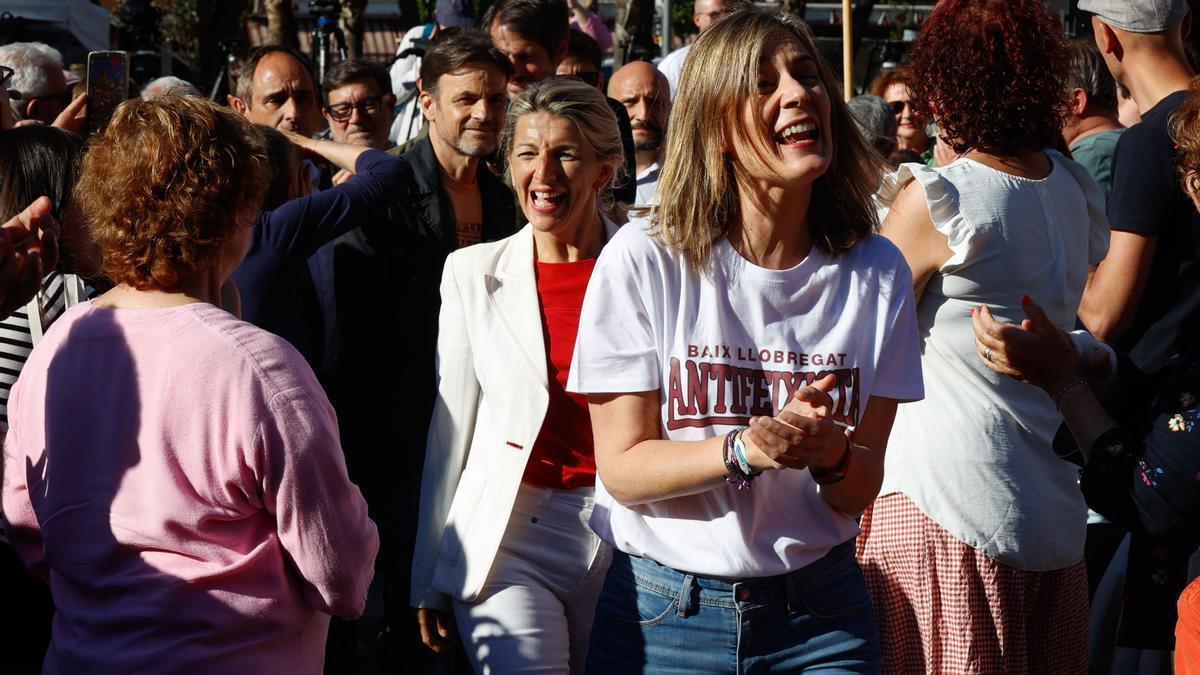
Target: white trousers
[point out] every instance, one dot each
(534, 613)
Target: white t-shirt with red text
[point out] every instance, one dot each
(726, 344)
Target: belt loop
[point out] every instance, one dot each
(684, 605)
(793, 594)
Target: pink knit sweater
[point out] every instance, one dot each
(177, 475)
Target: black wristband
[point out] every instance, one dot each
(838, 472)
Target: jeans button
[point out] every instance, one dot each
(743, 593)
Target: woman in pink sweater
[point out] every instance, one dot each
(174, 472)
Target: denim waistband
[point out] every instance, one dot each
(692, 589)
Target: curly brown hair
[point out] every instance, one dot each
(992, 74)
(1185, 131)
(166, 185)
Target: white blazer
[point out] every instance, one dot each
(492, 395)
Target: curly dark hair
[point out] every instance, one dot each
(992, 73)
(166, 185)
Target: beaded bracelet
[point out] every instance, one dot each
(733, 472)
(838, 472)
(739, 453)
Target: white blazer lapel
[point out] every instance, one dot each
(513, 292)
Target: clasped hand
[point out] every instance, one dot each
(801, 435)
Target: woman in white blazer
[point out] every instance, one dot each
(507, 489)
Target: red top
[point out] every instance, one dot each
(562, 455)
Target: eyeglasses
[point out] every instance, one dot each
(365, 106)
(591, 77)
(898, 106)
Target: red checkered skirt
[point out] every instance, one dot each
(944, 607)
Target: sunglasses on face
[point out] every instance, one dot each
(366, 106)
(898, 106)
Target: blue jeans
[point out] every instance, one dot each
(654, 619)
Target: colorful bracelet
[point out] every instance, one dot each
(838, 472)
(734, 475)
(739, 452)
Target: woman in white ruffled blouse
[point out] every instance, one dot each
(973, 551)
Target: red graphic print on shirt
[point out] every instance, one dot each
(704, 391)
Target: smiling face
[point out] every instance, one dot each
(466, 109)
(791, 110)
(556, 173)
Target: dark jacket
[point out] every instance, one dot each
(274, 281)
(381, 377)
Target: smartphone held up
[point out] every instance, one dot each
(107, 86)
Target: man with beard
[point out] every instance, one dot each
(646, 95)
(386, 277)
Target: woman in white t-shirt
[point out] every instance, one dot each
(974, 549)
(728, 345)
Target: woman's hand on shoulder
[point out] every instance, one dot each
(435, 630)
(1034, 351)
(802, 434)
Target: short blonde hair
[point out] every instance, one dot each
(166, 184)
(584, 106)
(698, 200)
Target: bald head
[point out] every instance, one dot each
(646, 95)
(703, 10)
(1145, 63)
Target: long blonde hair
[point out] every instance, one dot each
(698, 197)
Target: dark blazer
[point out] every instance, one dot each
(274, 280)
(381, 378)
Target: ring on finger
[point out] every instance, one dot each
(987, 355)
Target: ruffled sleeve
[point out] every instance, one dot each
(1097, 217)
(941, 197)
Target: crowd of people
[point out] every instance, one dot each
(497, 363)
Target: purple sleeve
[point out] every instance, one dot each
(321, 516)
